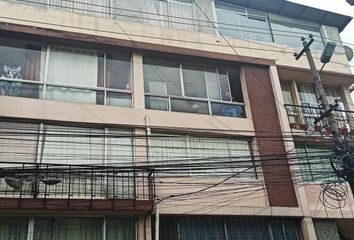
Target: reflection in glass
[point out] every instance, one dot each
(66, 94)
(228, 110)
(19, 89)
(119, 99)
(157, 103)
(189, 106)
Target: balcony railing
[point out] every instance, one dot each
(31, 180)
(303, 118)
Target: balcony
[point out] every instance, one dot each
(302, 119)
(34, 186)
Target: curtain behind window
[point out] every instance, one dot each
(68, 229)
(120, 229)
(201, 228)
(181, 15)
(247, 229)
(314, 163)
(71, 67)
(13, 228)
(156, 13)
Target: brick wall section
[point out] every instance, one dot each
(276, 173)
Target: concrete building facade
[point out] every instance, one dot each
(168, 119)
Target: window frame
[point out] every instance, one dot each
(44, 82)
(207, 100)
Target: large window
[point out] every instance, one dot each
(22, 62)
(203, 156)
(245, 23)
(240, 22)
(289, 32)
(193, 88)
(314, 163)
(40, 228)
(71, 75)
(205, 228)
(82, 153)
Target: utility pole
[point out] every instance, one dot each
(343, 160)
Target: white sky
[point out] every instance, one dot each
(339, 6)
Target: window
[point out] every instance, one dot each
(314, 162)
(24, 144)
(247, 228)
(178, 14)
(63, 228)
(13, 228)
(193, 88)
(72, 75)
(239, 22)
(310, 103)
(20, 68)
(92, 7)
(209, 156)
(289, 32)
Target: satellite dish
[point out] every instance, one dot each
(348, 52)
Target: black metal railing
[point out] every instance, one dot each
(25, 180)
(303, 118)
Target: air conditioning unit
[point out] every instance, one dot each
(351, 2)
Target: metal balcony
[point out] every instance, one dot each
(302, 118)
(73, 185)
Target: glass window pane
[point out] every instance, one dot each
(308, 94)
(189, 106)
(229, 24)
(224, 84)
(230, 7)
(194, 81)
(17, 89)
(228, 110)
(68, 228)
(156, 103)
(167, 149)
(235, 85)
(247, 228)
(181, 15)
(163, 71)
(73, 67)
(156, 13)
(119, 99)
(71, 145)
(260, 29)
(76, 95)
(127, 10)
(212, 84)
(119, 147)
(19, 60)
(13, 228)
(198, 228)
(118, 75)
(18, 142)
(287, 94)
(289, 33)
(120, 229)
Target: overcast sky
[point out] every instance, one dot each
(339, 6)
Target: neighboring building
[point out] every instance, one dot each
(187, 119)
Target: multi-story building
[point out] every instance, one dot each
(168, 119)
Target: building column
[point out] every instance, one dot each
(348, 105)
(308, 229)
(138, 81)
(144, 228)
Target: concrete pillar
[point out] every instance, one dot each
(348, 104)
(144, 228)
(138, 81)
(308, 229)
